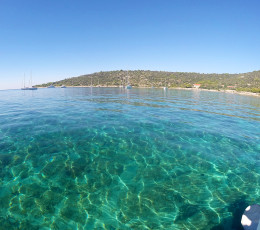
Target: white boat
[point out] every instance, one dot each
(165, 88)
(51, 86)
(29, 88)
(30, 83)
(128, 86)
(63, 86)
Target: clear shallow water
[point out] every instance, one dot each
(103, 158)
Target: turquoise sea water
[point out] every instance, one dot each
(104, 158)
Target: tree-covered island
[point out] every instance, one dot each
(248, 82)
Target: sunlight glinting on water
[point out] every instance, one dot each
(109, 158)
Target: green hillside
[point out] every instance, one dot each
(249, 82)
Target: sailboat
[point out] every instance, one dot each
(165, 87)
(28, 88)
(128, 86)
(152, 80)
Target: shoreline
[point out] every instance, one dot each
(244, 93)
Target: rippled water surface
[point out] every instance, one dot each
(104, 158)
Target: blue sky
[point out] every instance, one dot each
(64, 38)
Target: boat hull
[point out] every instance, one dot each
(29, 88)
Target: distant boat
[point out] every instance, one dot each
(51, 86)
(128, 86)
(63, 86)
(28, 88)
(165, 88)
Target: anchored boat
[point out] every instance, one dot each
(30, 83)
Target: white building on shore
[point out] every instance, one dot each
(196, 86)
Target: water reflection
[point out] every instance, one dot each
(110, 158)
